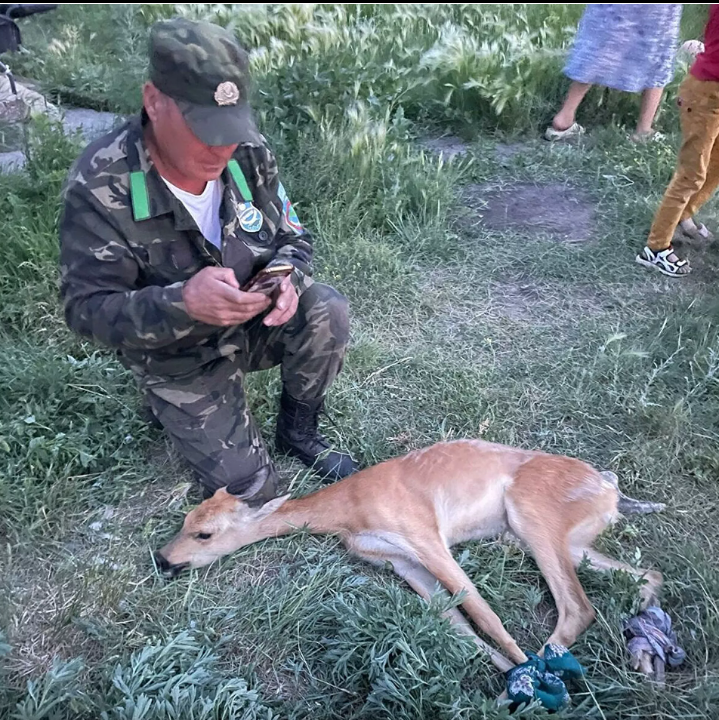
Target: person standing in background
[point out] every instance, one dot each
(697, 174)
(623, 47)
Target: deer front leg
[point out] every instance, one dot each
(425, 585)
(379, 549)
(439, 562)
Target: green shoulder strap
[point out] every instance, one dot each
(140, 198)
(239, 177)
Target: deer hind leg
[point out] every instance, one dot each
(550, 548)
(574, 611)
(649, 595)
(648, 592)
(580, 542)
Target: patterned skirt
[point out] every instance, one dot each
(625, 47)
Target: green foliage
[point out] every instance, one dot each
(469, 66)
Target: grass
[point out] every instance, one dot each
(459, 329)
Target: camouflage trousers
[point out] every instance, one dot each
(205, 412)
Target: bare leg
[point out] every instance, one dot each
(651, 98)
(566, 116)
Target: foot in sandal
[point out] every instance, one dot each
(665, 261)
(553, 134)
(642, 137)
(694, 231)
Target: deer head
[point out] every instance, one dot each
(217, 527)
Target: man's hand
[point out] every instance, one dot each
(285, 304)
(213, 296)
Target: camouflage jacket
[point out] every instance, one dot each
(127, 245)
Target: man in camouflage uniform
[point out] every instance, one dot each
(139, 276)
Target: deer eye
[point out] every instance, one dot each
(203, 536)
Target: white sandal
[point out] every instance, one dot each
(660, 261)
(645, 137)
(574, 130)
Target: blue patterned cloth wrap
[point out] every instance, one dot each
(543, 678)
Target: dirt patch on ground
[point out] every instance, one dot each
(448, 146)
(516, 296)
(555, 210)
(506, 152)
(520, 298)
(12, 160)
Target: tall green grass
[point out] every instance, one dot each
(470, 66)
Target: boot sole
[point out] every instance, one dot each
(288, 450)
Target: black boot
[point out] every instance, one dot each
(298, 435)
(255, 489)
(149, 417)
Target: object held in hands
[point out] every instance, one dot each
(267, 280)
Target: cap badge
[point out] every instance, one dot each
(227, 94)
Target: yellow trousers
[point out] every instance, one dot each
(697, 173)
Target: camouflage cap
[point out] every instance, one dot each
(204, 69)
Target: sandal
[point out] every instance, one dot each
(574, 130)
(695, 231)
(641, 138)
(660, 261)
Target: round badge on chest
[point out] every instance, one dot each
(251, 219)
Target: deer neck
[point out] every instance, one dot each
(317, 513)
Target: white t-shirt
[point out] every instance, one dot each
(205, 208)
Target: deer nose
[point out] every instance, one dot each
(166, 568)
(162, 563)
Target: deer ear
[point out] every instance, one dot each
(270, 506)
